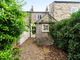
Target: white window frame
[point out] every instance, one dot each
(74, 9)
(43, 27)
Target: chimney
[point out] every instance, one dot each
(46, 9)
(32, 9)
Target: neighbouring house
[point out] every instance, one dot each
(39, 21)
(42, 30)
(35, 16)
(63, 9)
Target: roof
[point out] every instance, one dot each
(66, 2)
(47, 18)
(37, 12)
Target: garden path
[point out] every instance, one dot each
(30, 51)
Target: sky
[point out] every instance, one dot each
(39, 5)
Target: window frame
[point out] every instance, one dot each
(43, 27)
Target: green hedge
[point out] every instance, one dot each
(11, 25)
(66, 35)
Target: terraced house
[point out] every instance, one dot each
(56, 11)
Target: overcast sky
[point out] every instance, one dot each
(39, 5)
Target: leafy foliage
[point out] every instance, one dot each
(33, 29)
(8, 54)
(66, 35)
(11, 26)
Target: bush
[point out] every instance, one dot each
(10, 54)
(33, 29)
(6, 55)
(66, 35)
(11, 26)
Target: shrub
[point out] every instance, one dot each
(66, 35)
(6, 55)
(33, 29)
(11, 22)
(11, 26)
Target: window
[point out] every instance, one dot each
(74, 9)
(45, 27)
(39, 17)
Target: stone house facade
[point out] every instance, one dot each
(41, 21)
(35, 16)
(42, 30)
(63, 9)
(58, 10)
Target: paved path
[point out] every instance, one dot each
(30, 51)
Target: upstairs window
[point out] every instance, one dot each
(39, 17)
(74, 9)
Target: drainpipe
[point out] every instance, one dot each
(30, 24)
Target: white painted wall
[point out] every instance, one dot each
(23, 37)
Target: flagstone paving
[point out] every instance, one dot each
(30, 51)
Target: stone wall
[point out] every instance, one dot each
(63, 10)
(39, 32)
(23, 37)
(43, 38)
